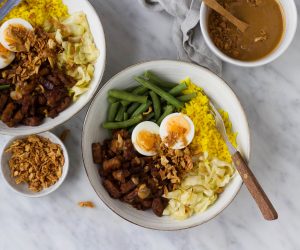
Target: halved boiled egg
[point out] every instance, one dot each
(145, 138)
(177, 130)
(11, 33)
(6, 57)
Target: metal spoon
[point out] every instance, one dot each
(7, 6)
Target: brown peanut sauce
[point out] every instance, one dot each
(265, 31)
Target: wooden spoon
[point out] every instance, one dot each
(213, 4)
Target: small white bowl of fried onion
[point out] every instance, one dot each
(34, 165)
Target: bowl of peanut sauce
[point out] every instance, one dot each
(271, 28)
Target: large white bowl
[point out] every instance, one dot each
(290, 15)
(216, 89)
(99, 39)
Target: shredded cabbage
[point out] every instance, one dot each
(200, 187)
(80, 51)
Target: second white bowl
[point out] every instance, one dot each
(290, 14)
(99, 39)
(23, 188)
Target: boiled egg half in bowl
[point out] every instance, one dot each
(10, 33)
(145, 138)
(177, 130)
(10, 42)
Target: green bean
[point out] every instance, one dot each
(112, 111)
(169, 98)
(177, 89)
(111, 99)
(169, 109)
(140, 90)
(120, 114)
(149, 116)
(132, 108)
(123, 95)
(142, 108)
(155, 79)
(124, 124)
(187, 97)
(125, 116)
(130, 129)
(4, 86)
(156, 104)
(130, 89)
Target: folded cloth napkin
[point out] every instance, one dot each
(186, 31)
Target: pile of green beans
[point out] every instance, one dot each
(153, 99)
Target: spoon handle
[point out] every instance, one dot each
(213, 4)
(254, 188)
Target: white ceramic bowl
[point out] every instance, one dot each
(23, 188)
(175, 71)
(99, 39)
(290, 13)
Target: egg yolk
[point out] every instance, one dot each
(4, 53)
(148, 141)
(177, 129)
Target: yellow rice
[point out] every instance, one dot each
(207, 137)
(38, 11)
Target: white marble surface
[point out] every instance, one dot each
(271, 98)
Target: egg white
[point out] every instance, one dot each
(14, 21)
(6, 57)
(163, 131)
(148, 126)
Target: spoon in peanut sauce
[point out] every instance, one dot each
(213, 4)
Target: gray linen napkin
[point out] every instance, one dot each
(186, 31)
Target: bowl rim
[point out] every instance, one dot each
(38, 129)
(163, 61)
(275, 54)
(60, 181)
